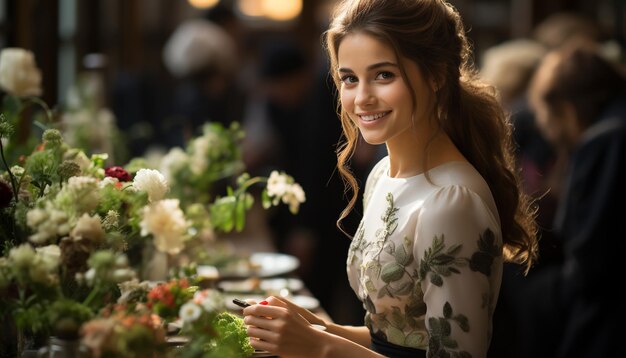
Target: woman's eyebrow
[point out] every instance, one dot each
(370, 67)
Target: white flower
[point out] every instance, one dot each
(200, 150)
(190, 312)
(22, 256)
(80, 195)
(277, 184)
(19, 75)
(47, 223)
(108, 181)
(152, 182)
(281, 187)
(166, 222)
(50, 256)
(211, 300)
(88, 228)
(111, 220)
(294, 197)
(175, 160)
(90, 276)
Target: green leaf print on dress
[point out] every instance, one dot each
(391, 263)
(440, 262)
(488, 250)
(441, 343)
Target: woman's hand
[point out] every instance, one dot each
(282, 328)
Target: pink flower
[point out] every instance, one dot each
(118, 172)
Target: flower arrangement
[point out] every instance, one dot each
(166, 299)
(119, 332)
(212, 331)
(78, 235)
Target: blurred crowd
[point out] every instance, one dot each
(564, 89)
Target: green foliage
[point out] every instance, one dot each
(228, 338)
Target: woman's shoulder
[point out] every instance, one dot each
(459, 187)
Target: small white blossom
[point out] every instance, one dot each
(111, 220)
(294, 196)
(190, 312)
(277, 184)
(152, 182)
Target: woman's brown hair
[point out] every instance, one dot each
(431, 33)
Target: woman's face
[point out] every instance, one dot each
(374, 93)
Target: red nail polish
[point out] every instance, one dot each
(263, 303)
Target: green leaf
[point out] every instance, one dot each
(436, 280)
(401, 256)
(392, 271)
(265, 199)
(397, 318)
(447, 310)
(463, 322)
(240, 214)
(415, 339)
(394, 335)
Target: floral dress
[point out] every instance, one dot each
(426, 260)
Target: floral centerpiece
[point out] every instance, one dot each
(76, 231)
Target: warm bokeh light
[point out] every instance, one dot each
(282, 10)
(252, 8)
(203, 4)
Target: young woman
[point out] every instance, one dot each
(441, 212)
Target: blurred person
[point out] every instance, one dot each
(441, 212)
(561, 27)
(202, 57)
(574, 309)
(509, 67)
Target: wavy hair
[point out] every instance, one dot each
(431, 33)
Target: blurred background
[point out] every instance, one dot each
(165, 67)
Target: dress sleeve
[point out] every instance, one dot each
(459, 249)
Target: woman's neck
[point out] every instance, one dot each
(410, 158)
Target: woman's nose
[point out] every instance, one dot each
(364, 96)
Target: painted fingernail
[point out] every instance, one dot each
(263, 303)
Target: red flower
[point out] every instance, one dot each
(118, 172)
(6, 194)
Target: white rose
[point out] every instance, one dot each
(166, 222)
(152, 182)
(19, 75)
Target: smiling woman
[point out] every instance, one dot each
(441, 213)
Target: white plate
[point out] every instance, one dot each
(269, 285)
(306, 302)
(264, 264)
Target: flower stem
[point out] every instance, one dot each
(44, 106)
(248, 183)
(92, 295)
(11, 176)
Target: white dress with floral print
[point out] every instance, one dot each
(426, 260)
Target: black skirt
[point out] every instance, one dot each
(391, 350)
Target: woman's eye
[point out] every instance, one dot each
(385, 75)
(348, 79)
